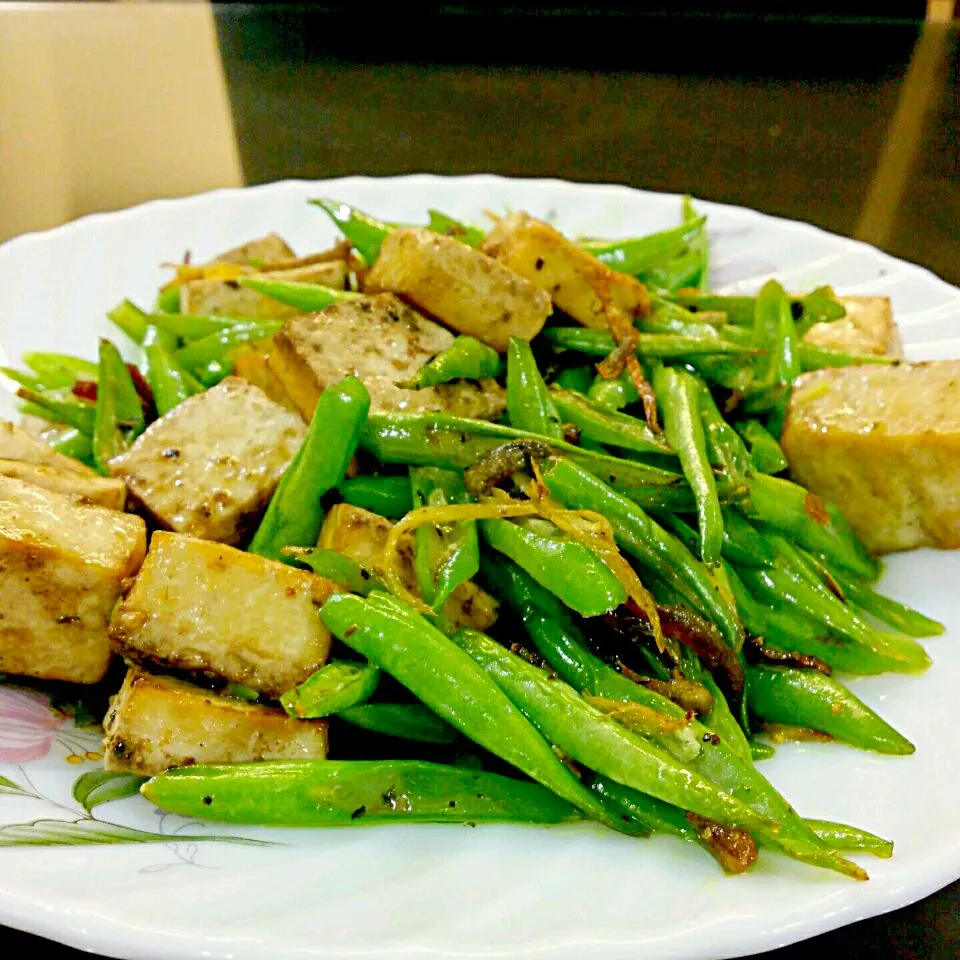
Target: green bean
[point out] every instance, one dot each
(444, 557)
(321, 793)
(812, 524)
(819, 305)
(408, 721)
(59, 369)
(388, 496)
(684, 270)
(335, 687)
(448, 681)
(168, 300)
(306, 297)
(648, 543)
(190, 327)
(601, 425)
(809, 698)
(614, 394)
(130, 319)
(814, 357)
(217, 347)
(575, 378)
(901, 618)
(667, 346)
(364, 232)
(73, 443)
(564, 566)
(442, 440)
(774, 333)
(465, 358)
(209, 374)
(61, 407)
(699, 245)
(720, 718)
(26, 380)
(743, 544)
(784, 588)
(679, 393)
(765, 453)
(118, 416)
(295, 513)
(764, 751)
(639, 254)
(841, 836)
(467, 233)
(725, 448)
(169, 382)
(340, 569)
(529, 404)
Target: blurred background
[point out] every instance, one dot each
(843, 114)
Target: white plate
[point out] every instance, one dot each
(571, 893)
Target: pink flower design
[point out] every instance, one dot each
(27, 725)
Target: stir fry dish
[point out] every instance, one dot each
(457, 524)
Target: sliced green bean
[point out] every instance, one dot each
(168, 300)
(575, 378)
(61, 407)
(324, 793)
(814, 357)
(529, 404)
(60, 369)
(894, 614)
(640, 254)
(468, 233)
(388, 496)
(666, 346)
(841, 836)
(217, 347)
(699, 245)
(811, 699)
(613, 394)
(335, 687)
(408, 721)
(364, 232)
(306, 297)
(295, 513)
(118, 416)
(169, 382)
(341, 569)
(465, 358)
(765, 453)
(130, 319)
(602, 425)
(774, 333)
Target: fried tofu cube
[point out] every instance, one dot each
(211, 609)
(463, 288)
(102, 491)
(62, 566)
(251, 365)
(578, 283)
(883, 443)
(223, 297)
(362, 536)
(380, 340)
(269, 249)
(16, 443)
(155, 723)
(868, 327)
(210, 466)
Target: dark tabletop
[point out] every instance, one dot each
(841, 116)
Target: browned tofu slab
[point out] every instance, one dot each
(211, 609)
(883, 443)
(210, 466)
(868, 327)
(362, 536)
(251, 365)
(380, 340)
(268, 249)
(461, 287)
(62, 565)
(16, 443)
(578, 283)
(102, 491)
(155, 723)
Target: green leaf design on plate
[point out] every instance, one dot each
(101, 786)
(8, 786)
(50, 833)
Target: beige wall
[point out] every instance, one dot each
(105, 105)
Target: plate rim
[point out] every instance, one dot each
(91, 931)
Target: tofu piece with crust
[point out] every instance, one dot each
(209, 467)
(461, 287)
(578, 283)
(155, 723)
(211, 609)
(362, 536)
(62, 566)
(868, 327)
(883, 444)
(102, 491)
(16, 443)
(380, 340)
(251, 365)
(268, 249)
